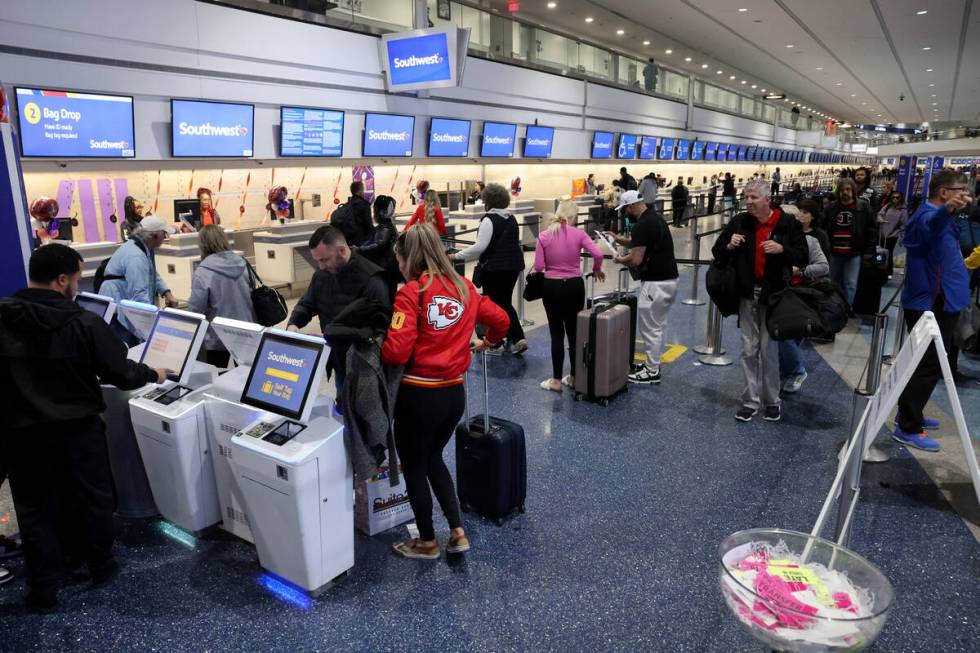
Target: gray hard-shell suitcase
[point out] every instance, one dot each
(602, 343)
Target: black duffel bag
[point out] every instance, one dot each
(721, 282)
(268, 304)
(791, 317)
(830, 303)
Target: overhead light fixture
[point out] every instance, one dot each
(646, 43)
(789, 45)
(840, 83)
(928, 70)
(668, 51)
(775, 96)
(731, 77)
(589, 19)
(552, 5)
(819, 68)
(934, 103)
(931, 85)
(864, 103)
(704, 65)
(853, 94)
(922, 13)
(744, 82)
(620, 32)
(762, 90)
(933, 95)
(927, 48)
(719, 72)
(687, 59)
(754, 85)
(742, 10)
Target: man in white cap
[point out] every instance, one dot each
(651, 260)
(132, 274)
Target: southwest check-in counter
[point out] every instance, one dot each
(282, 254)
(177, 259)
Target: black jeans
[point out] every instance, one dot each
(679, 212)
(711, 203)
(424, 422)
(59, 473)
(913, 399)
(890, 245)
(499, 287)
(563, 299)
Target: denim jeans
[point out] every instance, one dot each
(844, 270)
(790, 358)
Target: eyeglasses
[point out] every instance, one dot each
(956, 188)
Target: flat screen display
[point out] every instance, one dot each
(388, 134)
(602, 145)
(420, 60)
(627, 147)
(741, 152)
(77, 125)
(282, 374)
(751, 153)
(93, 305)
(710, 150)
(170, 341)
(449, 137)
(683, 149)
(200, 128)
(538, 142)
(648, 147)
(666, 151)
(311, 132)
(697, 151)
(732, 152)
(498, 139)
(722, 154)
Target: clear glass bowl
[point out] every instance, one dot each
(815, 633)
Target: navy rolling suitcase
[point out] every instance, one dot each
(491, 462)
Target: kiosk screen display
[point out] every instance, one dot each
(449, 137)
(69, 124)
(311, 132)
(498, 139)
(200, 128)
(683, 149)
(282, 374)
(387, 134)
(170, 341)
(538, 142)
(648, 147)
(697, 151)
(93, 305)
(602, 144)
(627, 147)
(666, 149)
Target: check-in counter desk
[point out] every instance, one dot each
(523, 210)
(177, 259)
(92, 254)
(282, 254)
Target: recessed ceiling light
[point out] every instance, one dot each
(853, 94)
(933, 95)
(934, 103)
(840, 84)
(552, 5)
(762, 90)
(704, 65)
(928, 70)
(742, 10)
(922, 13)
(688, 59)
(864, 103)
(819, 68)
(754, 85)
(620, 32)
(589, 19)
(789, 45)
(731, 77)
(744, 82)
(931, 85)
(719, 72)
(646, 43)
(927, 48)
(668, 51)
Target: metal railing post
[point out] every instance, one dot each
(899, 338)
(716, 356)
(521, 281)
(695, 270)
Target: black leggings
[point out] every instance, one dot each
(563, 299)
(424, 422)
(499, 287)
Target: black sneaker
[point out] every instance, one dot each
(645, 376)
(745, 414)
(636, 367)
(772, 414)
(5, 576)
(9, 547)
(43, 601)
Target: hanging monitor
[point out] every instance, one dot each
(174, 341)
(666, 151)
(710, 150)
(310, 132)
(741, 152)
(602, 145)
(68, 124)
(449, 137)
(648, 147)
(627, 147)
(211, 129)
(722, 154)
(388, 134)
(434, 57)
(683, 149)
(752, 154)
(697, 151)
(538, 142)
(498, 139)
(102, 306)
(732, 152)
(283, 375)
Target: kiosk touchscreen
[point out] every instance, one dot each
(104, 307)
(292, 467)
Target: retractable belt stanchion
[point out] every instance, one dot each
(714, 355)
(521, 282)
(695, 254)
(899, 338)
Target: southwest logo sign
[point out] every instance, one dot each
(419, 60)
(443, 312)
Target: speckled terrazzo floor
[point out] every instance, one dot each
(626, 506)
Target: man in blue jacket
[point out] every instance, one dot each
(935, 280)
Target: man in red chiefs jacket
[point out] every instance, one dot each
(431, 332)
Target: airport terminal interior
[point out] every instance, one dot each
(657, 516)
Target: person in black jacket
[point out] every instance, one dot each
(359, 228)
(626, 180)
(380, 250)
(53, 356)
(343, 277)
(728, 193)
(679, 195)
(763, 245)
(853, 231)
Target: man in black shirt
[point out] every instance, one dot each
(626, 180)
(651, 260)
(53, 356)
(679, 195)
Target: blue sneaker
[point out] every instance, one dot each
(916, 440)
(928, 423)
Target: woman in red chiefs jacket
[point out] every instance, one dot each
(431, 331)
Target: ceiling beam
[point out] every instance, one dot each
(967, 9)
(898, 59)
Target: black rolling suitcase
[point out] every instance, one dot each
(621, 295)
(491, 462)
(867, 295)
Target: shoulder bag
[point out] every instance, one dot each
(268, 304)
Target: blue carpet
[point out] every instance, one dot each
(618, 550)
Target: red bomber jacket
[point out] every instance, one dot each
(432, 336)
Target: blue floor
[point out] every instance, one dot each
(617, 551)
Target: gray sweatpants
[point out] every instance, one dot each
(653, 302)
(760, 356)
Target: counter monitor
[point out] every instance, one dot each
(732, 152)
(69, 124)
(627, 147)
(211, 129)
(448, 137)
(602, 145)
(498, 139)
(282, 375)
(388, 134)
(538, 142)
(648, 147)
(310, 132)
(697, 151)
(683, 149)
(170, 342)
(666, 149)
(710, 150)
(742, 149)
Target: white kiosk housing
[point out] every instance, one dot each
(104, 307)
(141, 316)
(292, 467)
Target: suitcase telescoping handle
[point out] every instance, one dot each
(591, 277)
(486, 397)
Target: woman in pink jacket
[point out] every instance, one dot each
(557, 256)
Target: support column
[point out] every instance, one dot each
(16, 241)
(689, 122)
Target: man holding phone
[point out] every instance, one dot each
(936, 280)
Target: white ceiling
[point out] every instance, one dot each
(851, 59)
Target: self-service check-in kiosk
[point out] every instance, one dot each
(104, 307)
(292, 467)
(141, 317)
(169, 425)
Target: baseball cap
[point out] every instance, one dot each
(629, 197)
(153, 223)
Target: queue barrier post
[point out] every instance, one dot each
(693, 300)
(716, 356)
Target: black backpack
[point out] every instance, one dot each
(343, 219)
(721, 281)
(101, 277)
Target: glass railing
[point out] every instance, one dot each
(505, 38)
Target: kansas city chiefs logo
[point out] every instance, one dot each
(443, 312)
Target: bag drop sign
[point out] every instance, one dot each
(67, 124)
